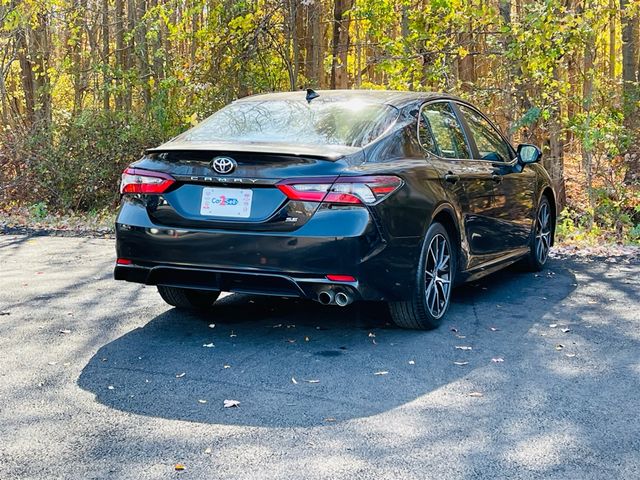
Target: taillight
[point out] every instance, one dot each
(344, 190)
(136, 180)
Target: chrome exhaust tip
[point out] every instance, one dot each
(326, 297)
(342, 299)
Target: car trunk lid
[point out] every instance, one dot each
(246, 198)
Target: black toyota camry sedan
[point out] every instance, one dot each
(335, 196)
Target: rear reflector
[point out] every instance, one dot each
(123, 261)
(341, 278)
(343, 190)
(136, 180)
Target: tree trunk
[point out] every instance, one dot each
(340, 44)
(587, 100)
(121, 53)
(630, 90)
(612, 40)
(130, 52)
(142, 52)
(314, 44)
(28, 80)
(106, 74)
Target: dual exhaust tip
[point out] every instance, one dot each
(329, 297)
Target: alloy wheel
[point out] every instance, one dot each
(438, 276)
(543, 233)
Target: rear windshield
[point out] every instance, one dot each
(349, 123)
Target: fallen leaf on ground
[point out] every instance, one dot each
(476, 394)
(497, 360)
(294, 381)
(179, 467)
(461, 363)
(180, 375)
(202, 401)
(384, 372)
(463, 347)
(231, 403)
(208, 345)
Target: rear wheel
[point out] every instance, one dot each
(541, 236)
(434, 282)
(187, 298)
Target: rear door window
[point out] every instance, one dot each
(440, 132)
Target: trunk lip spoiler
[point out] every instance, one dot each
(322, 152)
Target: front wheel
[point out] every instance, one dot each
(541, 236)
(187, 298)
(434, 281)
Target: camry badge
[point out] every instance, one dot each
(223, 165)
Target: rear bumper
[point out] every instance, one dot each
(238, 281)
(340, 241)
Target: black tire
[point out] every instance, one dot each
(419, 312)
(187, 298)
(541, 232)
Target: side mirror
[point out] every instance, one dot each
(529, 153)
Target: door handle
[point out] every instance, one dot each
(496, 178)
(451, 178)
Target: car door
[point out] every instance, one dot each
(514, 187)
(469, 182)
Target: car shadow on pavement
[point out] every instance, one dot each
(297, 363)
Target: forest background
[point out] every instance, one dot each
(87, 85)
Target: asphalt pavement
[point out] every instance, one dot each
(530, 376)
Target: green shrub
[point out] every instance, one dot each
(76, 164)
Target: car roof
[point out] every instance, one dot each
(388, 97)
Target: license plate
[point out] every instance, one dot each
(226, 202)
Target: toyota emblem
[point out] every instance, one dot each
(223, 165)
